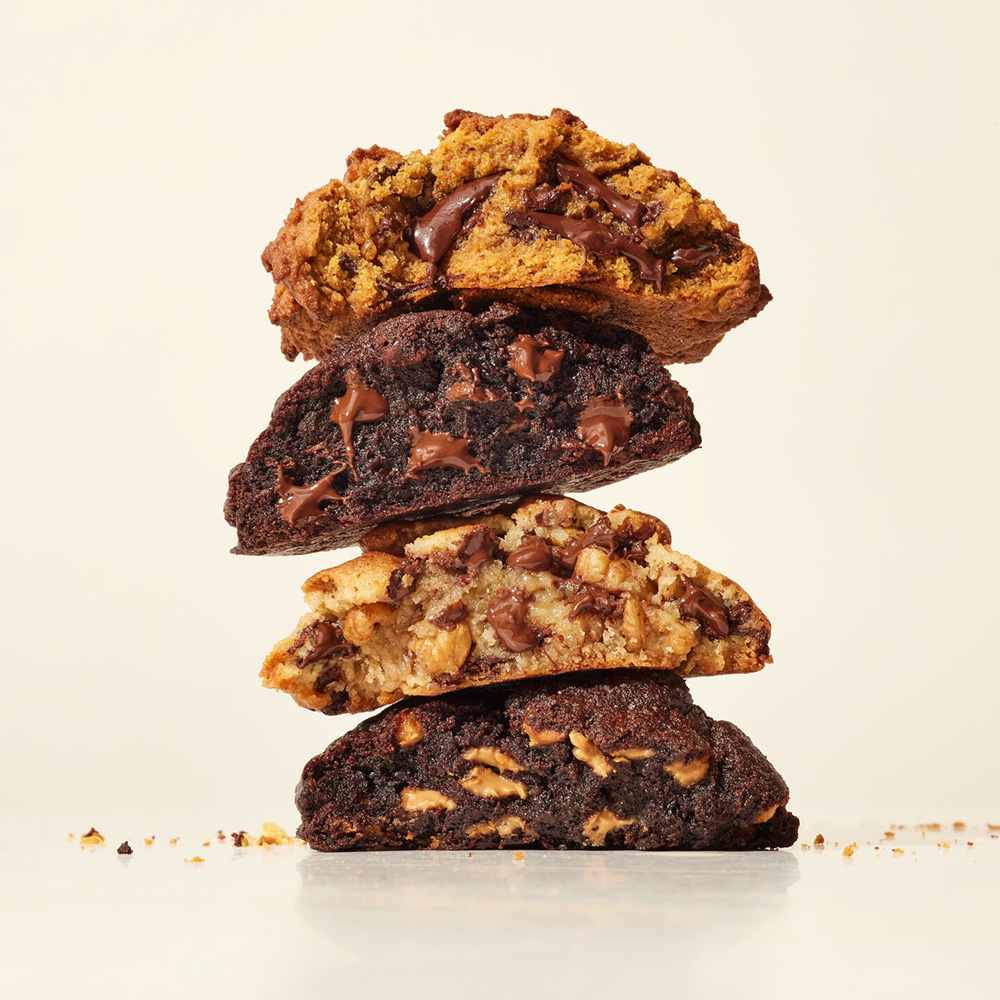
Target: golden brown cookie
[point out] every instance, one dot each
(537, 210)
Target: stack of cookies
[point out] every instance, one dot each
(491, 321)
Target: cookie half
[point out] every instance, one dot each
(450, 411)
(536, 209)
(551, 588)
(602, 760)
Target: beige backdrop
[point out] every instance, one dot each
(848, 476)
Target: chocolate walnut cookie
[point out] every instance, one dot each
(447, 411)
(534, 209)
(553, 587)
(593, 760)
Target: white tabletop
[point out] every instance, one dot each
(289, 922)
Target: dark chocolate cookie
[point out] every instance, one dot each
(593, 760)
(454, 412)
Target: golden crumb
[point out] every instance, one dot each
(928, 826)
(898, 850)
(271, 835)
(819, 840)
(993, 826)
(519, 855)
(148, 841)
(92, 839)
(173, 840)
(889, 835)
(219, 835)
(206, 843)
(805, 847)
(194, 861)
(969, 843)
(958, 825)
(849, 850)
(944, 844)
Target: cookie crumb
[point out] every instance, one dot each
(92, 839)
(173, 840)
(518, 856)
(219, 835)
(848, 851)
(889, 835)
(148, 841)
(124, 848)
(194, 861)
(898, 850)
(206, 843)
(819, 840)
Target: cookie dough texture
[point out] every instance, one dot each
(345, 257)
(599, 760)
(550, 588)
(505, 393)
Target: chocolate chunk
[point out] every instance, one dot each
(440, 451)
(600, 535)
(398, 589)
(360, 404)
(565, 557)
(534, 553)
(588, 597)
(326, 640)
(297, 503)
(447, 618)
(543, 198)
(604, 425)
(689, 258)
(506, 614)
(478, 547)
(531, 359)
(594, 237)
(124, 848)
(435, 231)
(626, 209)
(468, 388)
(696, 603)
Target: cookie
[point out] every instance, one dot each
(601, 760)
(534, 209)
(552, 587)
(449, 411)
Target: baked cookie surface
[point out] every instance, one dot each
(601, 760)
(550, 588)
(536, 209)
(448, 411)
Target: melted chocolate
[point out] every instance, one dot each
(397, 588)
(588, 597)
(604, 425)
(594, 237)
(448, 617)
(296, 503)
(435, 231)
(440, 451)
(532, 359)
(478, 547)
(360, 404)
(327, 639)
(689, 258)
(696, 603)
(468, 389)
(506, 614)
(534, 553)
(626, 209)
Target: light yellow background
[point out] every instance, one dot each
(848, 475)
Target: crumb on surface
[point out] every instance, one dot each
(219, 835)
(173, 840)
(124, 848)
(92, 839)
(206, 843)
(898, 850)
(148, 841)
(819, 840)
(271, 835)
(193, 861)
(849, 850)
(518, 856)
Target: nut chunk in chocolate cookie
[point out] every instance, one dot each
(552, 588)
(589, 761)
(535, 209)
(449, 411)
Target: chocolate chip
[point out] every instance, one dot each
(478, 547)
(448, 617)
(626, 209)
(435, 231)
(360, 404)
(398, 589)
(689, 258)
(594, 237)
(297, 503)
(326, 640)
(700, 605)
(440, 451)
(533, 553)
(124, 848)
(532, 359)
(506, 613)
(604, 425)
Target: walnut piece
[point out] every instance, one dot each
(766, 814)
(584, 750)
(422, 799)
(687, 774)
(542, 737)
(633, 624)
(503, 826)
(489, 785)
(408, 729)
(359, 623)
(493, 757)
(632, 753)
(438, 650)
(600, 824)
